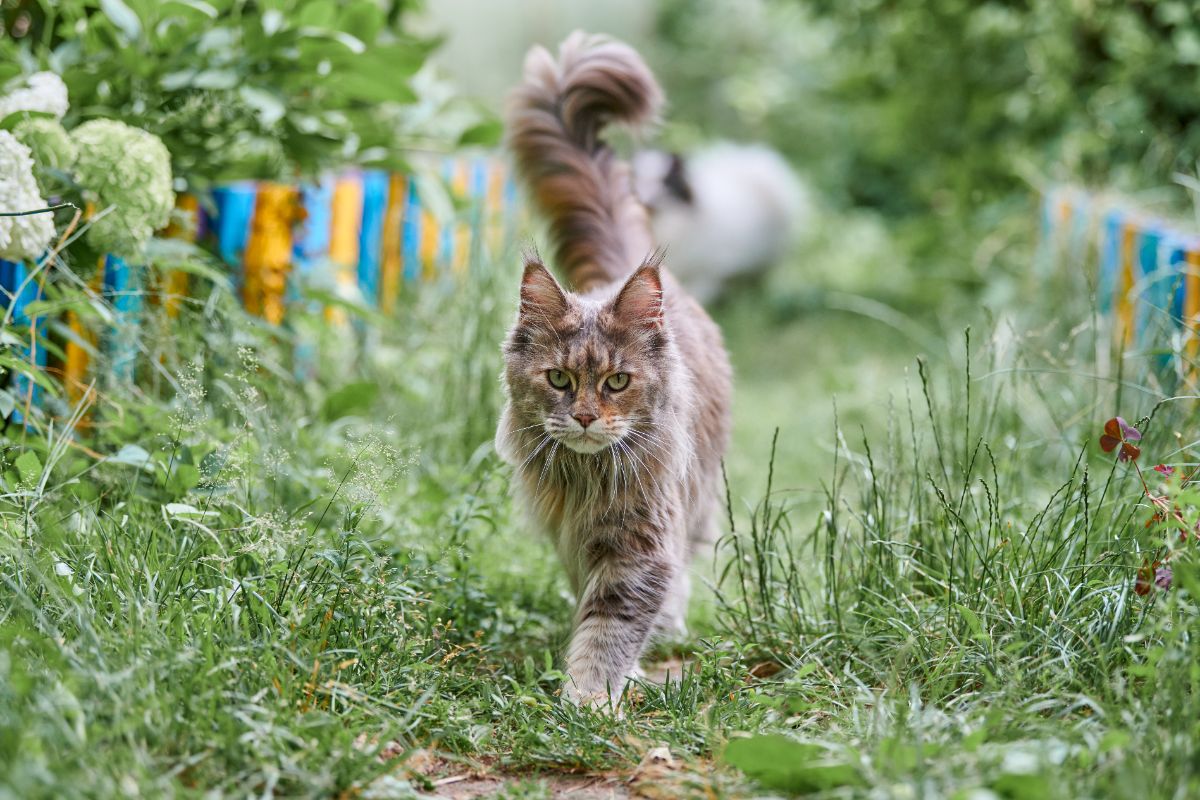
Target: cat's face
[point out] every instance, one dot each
(587, 373)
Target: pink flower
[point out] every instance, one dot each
(1119, 432)
(1162, 578)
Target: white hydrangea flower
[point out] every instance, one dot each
(21, 238)
(130, 170)
(42, 92)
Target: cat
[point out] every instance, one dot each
(618, 388)
(727, 210)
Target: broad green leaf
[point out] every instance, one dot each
(363, 20)
(779, 762)
(35, 374)
(184, 477)
(133, 456)
(215, 79)
(185, 510)
(8, 403)
(353, 398)
(269, 107)
(29, 468)
(487, 134)
(317, 14)
(197, 5)
(122, 16)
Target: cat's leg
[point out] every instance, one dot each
(672, 622)
(622, 600)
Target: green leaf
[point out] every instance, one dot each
(486, 134)
(29, 467)
(35, 374)
(363, 20)
(779, 762)
(133, 456)
(267, 105)
(317, 14)
(353, 398)
(184, 477)
(122, 16)
(8, 403)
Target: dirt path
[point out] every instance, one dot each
(575, 788)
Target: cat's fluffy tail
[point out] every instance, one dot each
(599, 228)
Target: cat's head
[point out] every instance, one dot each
(661, 180)
(588, 372)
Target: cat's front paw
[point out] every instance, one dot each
(590, 699)
(596, 694)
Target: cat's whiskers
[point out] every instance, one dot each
(649, 443)
(543, 441)
(546, 466)
(612, 487)
(527, 427)
(648, 473)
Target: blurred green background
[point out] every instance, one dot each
(282, 559)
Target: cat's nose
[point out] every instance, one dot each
(584, 419)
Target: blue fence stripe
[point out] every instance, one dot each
(122, 291)
(1110, 259)
(479, 181)
(510, 208)
(1175, 250)
(411, 242)
(1149, 291)
(370, 237)
(234, 209)
(446, 232)
(313, 235)
(12, 275)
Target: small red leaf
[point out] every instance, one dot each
(1129, 452)
(1145, 578)
(1107, 443)
(1113, 427)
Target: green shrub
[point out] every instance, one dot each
(234, 88)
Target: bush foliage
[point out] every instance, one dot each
(950, 106)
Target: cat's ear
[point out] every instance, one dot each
(640, 299)
(542, 299)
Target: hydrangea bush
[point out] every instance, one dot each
(39, 93)
(128, 171)
(48, 140)
(24, 237)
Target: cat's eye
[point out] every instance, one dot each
(617, 381)
(558, 379)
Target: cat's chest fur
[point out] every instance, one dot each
(588, 504)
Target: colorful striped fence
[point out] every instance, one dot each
(365, 232)
(17, 290)
(362, 234)
(1146, 270)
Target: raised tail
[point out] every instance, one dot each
(600, 230)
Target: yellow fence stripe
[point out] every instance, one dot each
(268, 257)
(1122, 301)
(392, 267)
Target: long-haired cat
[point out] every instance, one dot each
(724, 211)
(618, 385)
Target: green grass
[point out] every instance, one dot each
(928, 594)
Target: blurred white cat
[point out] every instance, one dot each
(726, 210)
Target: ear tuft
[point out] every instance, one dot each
(542, 299)
(640, 300)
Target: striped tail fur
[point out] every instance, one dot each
(600, 231)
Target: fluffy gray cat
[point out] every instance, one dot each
(618, 387)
